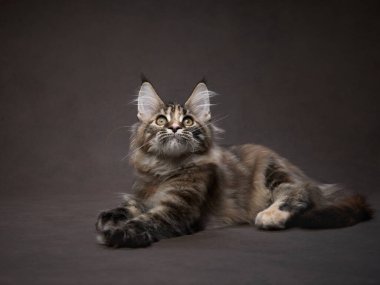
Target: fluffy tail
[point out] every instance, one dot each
(339, 212)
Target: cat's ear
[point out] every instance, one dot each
(148, 102)
(199, 102)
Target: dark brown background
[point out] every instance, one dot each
(301, 77)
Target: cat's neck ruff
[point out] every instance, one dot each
(152, 165)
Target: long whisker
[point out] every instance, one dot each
(217, 120)
(134, 151)
(117, 129)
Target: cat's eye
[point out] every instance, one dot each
(187, 121)
(161, 120)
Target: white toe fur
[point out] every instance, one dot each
(272, 217)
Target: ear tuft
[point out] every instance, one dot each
(143, 78)
(203, 80)
(148, 102)
(199, 102)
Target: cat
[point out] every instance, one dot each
(185, 182)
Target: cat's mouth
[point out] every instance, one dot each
(174, 144)
(175, 138)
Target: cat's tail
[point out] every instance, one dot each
(337, 211)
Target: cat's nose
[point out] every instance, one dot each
(174, 128)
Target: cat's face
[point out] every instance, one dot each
(172, 130)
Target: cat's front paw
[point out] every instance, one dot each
(132, 234)
(110, 220)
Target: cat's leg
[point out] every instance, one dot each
(175, 215)
(289, 200)
(178, 210)
(290, 191)
(130, 208)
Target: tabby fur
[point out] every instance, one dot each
(185, 182)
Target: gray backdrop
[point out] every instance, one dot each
(301, 77)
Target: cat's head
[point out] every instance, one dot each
(173, 130)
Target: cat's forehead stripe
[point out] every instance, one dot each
(174, 111)
(168, 112)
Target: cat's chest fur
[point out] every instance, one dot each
(156, 168)
(154, 174)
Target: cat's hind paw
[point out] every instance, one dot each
(272, 218)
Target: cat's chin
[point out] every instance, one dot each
(173, 148)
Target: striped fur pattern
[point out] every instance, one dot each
(185, 182)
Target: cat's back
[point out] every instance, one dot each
(238, 161)
(251, 156)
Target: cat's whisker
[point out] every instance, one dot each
(134, 151)
(217, 120)
(130, 128)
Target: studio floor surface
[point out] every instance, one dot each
(50, 240)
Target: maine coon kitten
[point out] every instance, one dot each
(185, 181)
